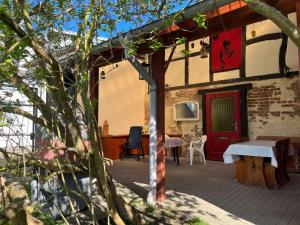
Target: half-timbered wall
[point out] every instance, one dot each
(273, 103)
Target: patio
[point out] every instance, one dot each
(209, 192)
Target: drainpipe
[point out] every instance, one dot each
(151, 198)
(153, 147)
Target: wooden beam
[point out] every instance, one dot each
(282, 54)
(158, 74)
(226, 9)
(227, 88)
(211, 74)
(189, 24)
(167, 63)
(244, 14)
(298, 23)
(189, 29)
(243, 65)
(236, 80)
(265, 37)
(186, 65)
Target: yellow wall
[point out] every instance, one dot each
(121, 98)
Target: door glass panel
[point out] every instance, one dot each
(222, 114)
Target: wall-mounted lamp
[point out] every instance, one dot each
(146, 67)
(102, 75)
(204, 49)
(253, 32)
(167, 87)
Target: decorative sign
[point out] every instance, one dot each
(226, 50)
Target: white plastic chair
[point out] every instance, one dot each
(199, 147)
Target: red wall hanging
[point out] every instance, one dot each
(226, 50)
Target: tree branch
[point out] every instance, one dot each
(55, 79)
(6, 156)
(287, 26)
(19, 111)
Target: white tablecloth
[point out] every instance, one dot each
(251, 148)
(171, 142)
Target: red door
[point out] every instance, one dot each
(222, 122)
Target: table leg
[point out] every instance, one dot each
(240, 171)
(175, 151)
(177, 154)
(255, 170)
(174, 154)
(270, 175)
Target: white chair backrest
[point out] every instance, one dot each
(199, 142)
(203, 140)
(193, 143)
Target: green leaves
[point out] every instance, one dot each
(2, 122)
(200, 19)
(131, 46)
(155, 45)
(181, 40)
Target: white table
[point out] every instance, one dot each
(173, 143)
(251, 148)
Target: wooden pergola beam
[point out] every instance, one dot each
(233, 15)
(158, 74)
(238, 17)
(298, 24)
(189, 24)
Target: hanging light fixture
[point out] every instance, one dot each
(253, 32)
(204, 49)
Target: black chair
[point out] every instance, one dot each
(134, 142)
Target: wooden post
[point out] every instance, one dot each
(298, 23)
(94, 89)
(157, 70)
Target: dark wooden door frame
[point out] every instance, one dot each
(243, 88)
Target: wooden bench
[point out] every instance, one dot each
(276, 177)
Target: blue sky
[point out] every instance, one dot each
(122, 26)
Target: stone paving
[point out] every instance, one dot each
(209, 192)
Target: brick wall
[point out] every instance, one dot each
(273, 109)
